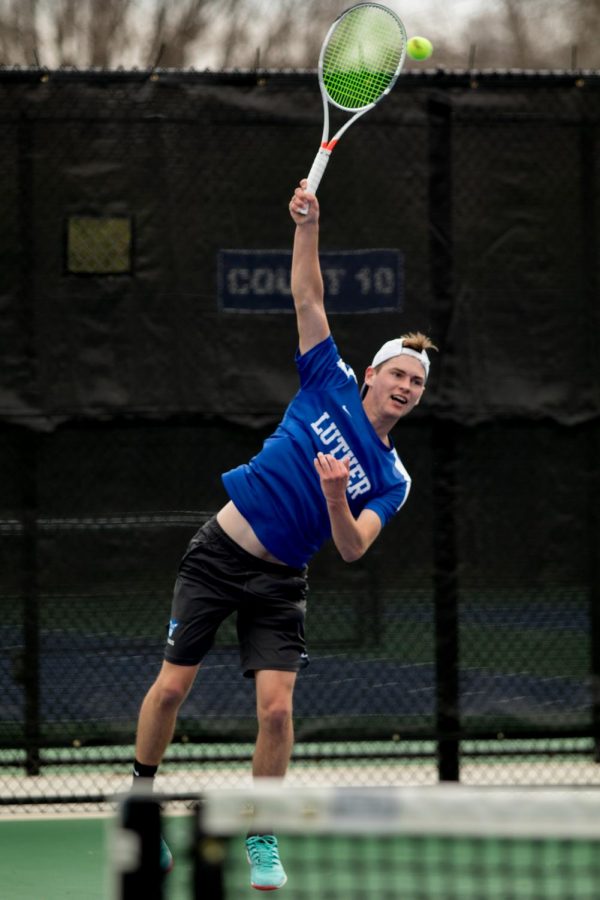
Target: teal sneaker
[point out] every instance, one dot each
(266, 871)
(166, 857)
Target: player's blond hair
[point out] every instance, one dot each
(416, 340)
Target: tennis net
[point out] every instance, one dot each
(446, 842)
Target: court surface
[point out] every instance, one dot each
(62, 858)
(57, 858)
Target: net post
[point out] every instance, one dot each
(208, 859)
(136, 849)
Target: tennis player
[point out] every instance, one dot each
(329, 471)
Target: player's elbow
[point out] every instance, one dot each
(308, 303)
(352, 554)
(355, 548)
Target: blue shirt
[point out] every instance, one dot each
(279, 491)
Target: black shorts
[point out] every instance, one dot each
(217, 578)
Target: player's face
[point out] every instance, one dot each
(397, 386)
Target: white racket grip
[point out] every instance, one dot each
(316, 172)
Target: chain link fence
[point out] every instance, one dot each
(466, 644)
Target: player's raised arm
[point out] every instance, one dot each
(307, 280)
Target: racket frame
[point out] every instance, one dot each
(327, 144)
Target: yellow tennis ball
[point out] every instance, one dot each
(419, 48)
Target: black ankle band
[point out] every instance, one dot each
(142, 771)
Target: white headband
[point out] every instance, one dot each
(396, 347)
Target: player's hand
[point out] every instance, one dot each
(333, 474)
(303, 199)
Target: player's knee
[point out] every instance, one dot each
(170, 695)
(275, 716)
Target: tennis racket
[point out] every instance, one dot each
(360, 60)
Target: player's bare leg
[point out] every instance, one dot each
(158, 715)
(275, 738)
(156, 725)
(272, 753)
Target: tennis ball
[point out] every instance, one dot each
(419, 48)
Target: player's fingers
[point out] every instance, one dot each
(305, 195)
(321, 470)
(301, 197)
(332, 467)
(298, 201)
(325, 462)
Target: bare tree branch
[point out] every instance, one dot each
(176, 28)
(516, 23)
(108, 34)
(29, 34)
(18, 35)
(67, 24)
(285, 33)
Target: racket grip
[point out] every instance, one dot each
(316, 172)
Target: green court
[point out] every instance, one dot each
(59, 858)
(325, 854)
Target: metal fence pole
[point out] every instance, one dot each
(30, 669)
(445, 581)
(589, 230)
(446, 617)
(28, 463)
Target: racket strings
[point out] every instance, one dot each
(363, 56)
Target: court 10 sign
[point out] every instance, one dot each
(356, 281)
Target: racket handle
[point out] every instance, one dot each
(316, 173)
